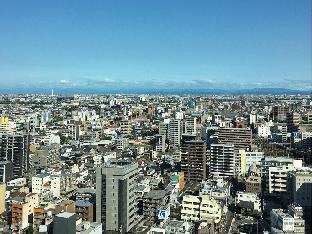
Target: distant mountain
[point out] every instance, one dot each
(151, 90)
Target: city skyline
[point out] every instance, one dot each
(178, 44)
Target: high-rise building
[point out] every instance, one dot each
(116, 206)
(125, 127)
(22, 208)
(163, 128)
(193, 160)
(64, 223)
(293, 120)
(74, 129)
(46, 156)
(160, 143)
(276, 163)
(252, 118)
(190, 125)
(248, 159)
(46, 116)
(14, 148)
(122, 143)
(6, 171)
(222, 160)
(239, 137)
(300, 192)
(279, 113)
(175, 132)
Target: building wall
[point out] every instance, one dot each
(115, 196)
(193, 160)
(222, 160)
(2, 197)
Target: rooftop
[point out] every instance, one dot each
(65, 215)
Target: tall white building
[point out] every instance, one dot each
(278, 178)
(62, 183)
(175, 132)
(252, 118)
(248, 159)
(277, 164)
(222, 160)
(190, 125)
(160, 143)
(38, 181)
(263, 131)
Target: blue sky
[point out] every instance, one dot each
(209, 43)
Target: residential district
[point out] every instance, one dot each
(155, 164)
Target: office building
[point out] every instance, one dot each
(281, 222)
(163, 128)
(74, 129)
(288, 221)
(116, 206)
(46, 156)
(153, 202)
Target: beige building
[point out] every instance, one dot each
(253, 184)
(2, 197)
(200, 208)
(22, 209)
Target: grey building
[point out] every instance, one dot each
(153, 202)
(116, 206)
(300, 192)
(239, 137)
(64, 223)
(46, 156)
(14, 148)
